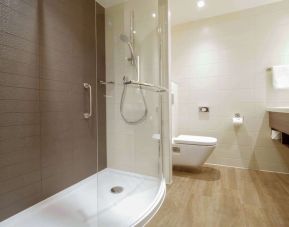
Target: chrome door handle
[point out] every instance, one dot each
(89, 114)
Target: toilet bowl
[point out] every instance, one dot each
(192, 150)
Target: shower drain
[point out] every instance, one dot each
(116, 189)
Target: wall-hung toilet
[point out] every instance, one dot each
(192, 151)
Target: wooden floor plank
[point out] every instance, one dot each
(217, 196)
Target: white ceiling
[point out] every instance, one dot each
(186, 10)
(183, 11)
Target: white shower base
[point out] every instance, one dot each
(90, 203)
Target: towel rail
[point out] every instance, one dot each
(148, 86)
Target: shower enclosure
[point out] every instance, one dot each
(80, 113)
(133, 183)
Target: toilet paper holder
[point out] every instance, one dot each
(238, 115)
(238, 120)
(204, 109)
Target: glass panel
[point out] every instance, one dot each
(131, 183)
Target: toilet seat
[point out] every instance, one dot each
(195, 140)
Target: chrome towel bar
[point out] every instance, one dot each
(148, 86)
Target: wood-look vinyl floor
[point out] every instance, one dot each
(218, 196)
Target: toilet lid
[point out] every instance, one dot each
(195, 140)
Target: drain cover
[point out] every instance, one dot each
(117, 189)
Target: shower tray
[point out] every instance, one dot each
(91, 203)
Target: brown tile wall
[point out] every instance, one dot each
(47, 52)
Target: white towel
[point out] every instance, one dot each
(281, 77)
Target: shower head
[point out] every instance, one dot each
(124, 38)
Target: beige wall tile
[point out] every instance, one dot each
(221, 62)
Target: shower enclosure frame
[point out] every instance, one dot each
(75, 202)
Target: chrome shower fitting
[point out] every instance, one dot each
(126, 40)
(135, 62)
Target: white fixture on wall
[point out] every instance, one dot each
(201, 3)
(276, 135)
(204, 109)
(192, 151)
(238, 120)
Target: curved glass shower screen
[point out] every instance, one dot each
(91, 148)
(132, 185)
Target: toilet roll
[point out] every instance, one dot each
(238, 121)
(275, 135)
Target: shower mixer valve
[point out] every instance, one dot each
(126, 80)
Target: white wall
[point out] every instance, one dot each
(221, 63)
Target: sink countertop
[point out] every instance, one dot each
(284, 109)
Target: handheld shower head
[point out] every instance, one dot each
(135, 62)
(126, 40)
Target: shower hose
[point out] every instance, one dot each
(123, 96)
